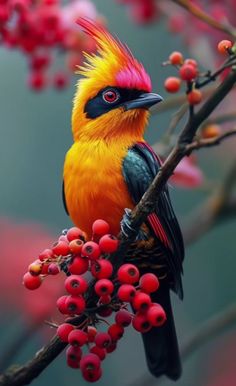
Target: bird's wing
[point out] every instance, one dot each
(64, 198)
(140, 166)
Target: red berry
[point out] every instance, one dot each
(64, 330)
(91, 250)
(31, 282)
(192, 62)
(61, 304)
(76, 246)
(35, 268)
(111, 348)
(90, 362)
(75, 305)
(39, 61)
(92, 375)
(156, 315)
(149, 283)
(172, 84)
(128, 274)
(100, 228)
(126, 292)
(100, 352)
(105, 299)
(37, 81)
(211, 131)
(103, 339)
(60, 248)
(176, 58)
(123, 318)
(141, 301)
(78, 265)
(77, 338)
(46, 254)
(76, 285)
(102, 269)
(74, 233)
(108, 243)
(116, 331)
(105, 312)
(44, 269)
(60, 81)
(188, 72)
(224, 45)
(194, 97)
(104, 287)
(53, 269)
(91, 331)
(73, 356)
(141, 323)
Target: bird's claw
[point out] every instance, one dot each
(127, 230)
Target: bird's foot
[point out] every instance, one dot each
(128, 231)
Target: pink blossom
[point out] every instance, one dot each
(187, 174)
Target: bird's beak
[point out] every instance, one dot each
(144, 101)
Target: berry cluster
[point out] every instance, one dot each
(188, 73)
(41, 29)
(97, 295)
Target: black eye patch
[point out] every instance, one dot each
(98, 106)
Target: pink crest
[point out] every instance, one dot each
(133, 77)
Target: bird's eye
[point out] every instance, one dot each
(110, 96)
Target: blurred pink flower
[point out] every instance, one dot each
(20, 245)
(187, 174)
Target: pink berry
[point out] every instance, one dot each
(116, 331)
(61, 304)
(123, 318)
(102, 269)
(64, 330)
(104, 287)
(73, 356)
(149, 283)
(46, 254)
(188, 72)
(75, 305)
(103, 339)
(105, 312)
(111, 348)
(91, 250)
(141, 323)
(126, 292)
(105, 299)
(74, 233)
(92, 332)
(156, 315)
(108, 243)
(31, 282)
(128, 274)
(77, 338)
(76, 285)
(92, 375)
(100, 228)
(78, 265)
(90, 362)
(141, 301)
(53, 269)
(100, 352)
(61, 248)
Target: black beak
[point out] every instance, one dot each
(144, 101)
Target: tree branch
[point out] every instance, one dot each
(200, 14)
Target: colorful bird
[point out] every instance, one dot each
(110, 166)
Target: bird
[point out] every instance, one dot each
(109, 167)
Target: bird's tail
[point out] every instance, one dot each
(160, 343)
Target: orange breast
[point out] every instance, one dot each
(94, 184)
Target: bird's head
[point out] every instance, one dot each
(114, 95)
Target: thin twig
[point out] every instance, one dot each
(209, 142)
(202, 15)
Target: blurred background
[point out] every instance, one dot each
(35, 135)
